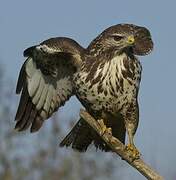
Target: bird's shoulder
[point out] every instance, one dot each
(54, 46)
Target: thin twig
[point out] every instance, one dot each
(119, 148)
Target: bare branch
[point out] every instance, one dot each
(119, 148)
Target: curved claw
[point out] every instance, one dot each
(135, 154)
(103, 127)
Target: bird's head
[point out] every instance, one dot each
(124, 37)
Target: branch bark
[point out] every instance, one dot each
(119, 148)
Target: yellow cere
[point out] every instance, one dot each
(130, 39)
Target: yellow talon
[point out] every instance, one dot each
(102, 126)
(135, 154)
(109, 131)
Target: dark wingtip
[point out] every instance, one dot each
(16, 128)
(36, 125)
(21, 79)
(29, 51)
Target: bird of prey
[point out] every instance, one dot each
(105, 77)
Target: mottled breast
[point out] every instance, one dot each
(108, 85)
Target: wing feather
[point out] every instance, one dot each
(34, 83)
(45, 81)
(42, 97)
(22, 104)
(48, 99)
(21, 80)
(26, 115)
(30, 119)
(36, 97)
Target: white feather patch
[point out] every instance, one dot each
(47, 49)
(33, 83)
(30, 67)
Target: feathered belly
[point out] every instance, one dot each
(107, 95)
(108, 86)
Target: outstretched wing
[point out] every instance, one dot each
(45, 80)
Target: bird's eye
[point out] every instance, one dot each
(117, 38)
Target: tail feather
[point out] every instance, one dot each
(69, 139)
(82, 135)
(79, 138)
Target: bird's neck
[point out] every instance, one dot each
(109, 65)
(117, 63)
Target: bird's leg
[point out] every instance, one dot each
(131, 117)
(130, 147)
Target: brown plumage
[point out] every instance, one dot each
(105, 77)
(45, 81)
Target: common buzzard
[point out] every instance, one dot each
(105, 78)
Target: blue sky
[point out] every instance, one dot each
(25, 23)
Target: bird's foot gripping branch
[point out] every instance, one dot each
(119, 148)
